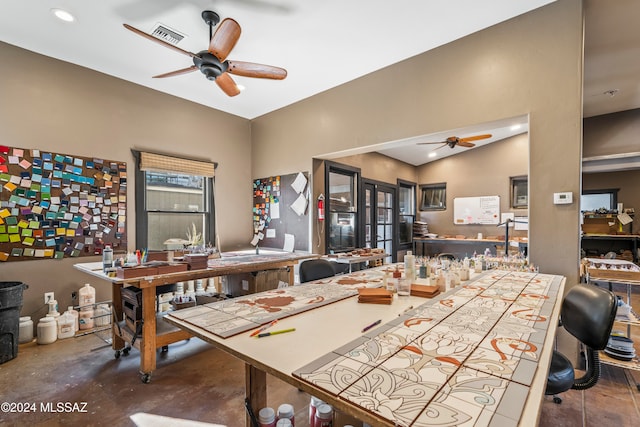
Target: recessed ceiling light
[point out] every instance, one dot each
(432, 154)
(63, 15)
(515, 127)
(240, 88)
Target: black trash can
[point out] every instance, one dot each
(10, 306)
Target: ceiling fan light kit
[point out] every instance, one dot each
(213, 62)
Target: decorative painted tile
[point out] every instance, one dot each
(469, 390)
(190, 312)
(503, 364)
(393, 398)
(332, 372)
(380, 347)
(515, 339)
(527, 316)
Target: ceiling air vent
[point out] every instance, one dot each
(165, 33)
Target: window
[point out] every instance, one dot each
(433, 197)
(406, 211)
(520, 192)
(342, 207)
(594, 200)
(174, 201)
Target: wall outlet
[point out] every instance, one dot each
(48, 296)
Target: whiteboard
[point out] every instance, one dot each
(476, 210)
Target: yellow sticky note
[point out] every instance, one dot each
(14, 238)
(10, 186)
(4, 213)
(48, 253)
(71, 232)
(23, 223)
(28, 241)
(61, 231)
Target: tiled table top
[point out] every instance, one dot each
(466, 358)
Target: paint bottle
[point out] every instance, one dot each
(284, 422)
(267, 417)
(66, 325)
(409, 266)
(324, 416)
(285, 411)
(313, 406)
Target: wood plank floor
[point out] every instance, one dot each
(195, 381)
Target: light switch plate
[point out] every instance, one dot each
(564, 198)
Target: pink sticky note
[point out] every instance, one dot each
(18, 152)
(25, 164)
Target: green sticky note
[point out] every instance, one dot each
(28, 241)
(4, 238)
(14, 238)
(28, 252)
(34, 224)
(3, 228)
(16, 252)
(27, 232)
(11, 220)
(13, 229)
(59, 255)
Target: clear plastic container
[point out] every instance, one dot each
(66, 325)
(87, 297)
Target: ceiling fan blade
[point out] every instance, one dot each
(462, 143)
(249, 69)
(226, 83)
(224, 39)
(442, 146)
(475, 138)
(176, 72)
(156, 40)
(436, 142)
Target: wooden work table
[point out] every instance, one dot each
(157, 334)
(333, 332)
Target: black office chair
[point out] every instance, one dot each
(314, 269)
(587, 313)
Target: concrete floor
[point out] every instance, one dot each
(195, 381)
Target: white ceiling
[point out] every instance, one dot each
(322, 44)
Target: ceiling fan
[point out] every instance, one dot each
(213, 62)
(452, 141)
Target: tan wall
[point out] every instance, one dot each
(483, 171)
(53, 105)
(627, 181)
(379, 167)
(529, 65)
(615, 133)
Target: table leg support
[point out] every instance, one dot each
(117, 343)
(255, 389)
(148, 339)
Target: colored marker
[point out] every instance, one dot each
(406, 310)
(366, 328)
(262, 329)
(281, 331)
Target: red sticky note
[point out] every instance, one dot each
(4, 149)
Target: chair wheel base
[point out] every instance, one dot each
(557, 400)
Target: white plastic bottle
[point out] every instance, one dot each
(66, 325)
(76, 316)
(87, 296)
(286, 412)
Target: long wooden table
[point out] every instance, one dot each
(159, 334)
(326, 333)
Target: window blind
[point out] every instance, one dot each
(163, 163)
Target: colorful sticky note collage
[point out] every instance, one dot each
(54, 205)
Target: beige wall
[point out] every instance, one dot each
(53, 105)
(379, 167)
(483, 171)
(615, 133)
(529, 65)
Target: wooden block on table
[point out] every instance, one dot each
(424, 291)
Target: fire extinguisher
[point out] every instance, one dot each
(321, 207)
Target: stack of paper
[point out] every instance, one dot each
(375, 296)
(424, 291)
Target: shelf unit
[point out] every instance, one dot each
(633, 320)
